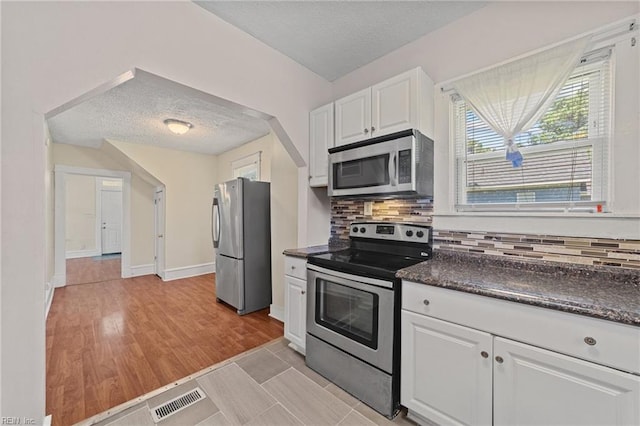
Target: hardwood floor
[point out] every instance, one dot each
(92, 270)
(112, 341)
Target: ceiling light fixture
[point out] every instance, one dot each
(177, 126)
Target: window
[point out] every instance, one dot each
(247, 167)
(565, 152)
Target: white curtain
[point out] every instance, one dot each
(511, 98)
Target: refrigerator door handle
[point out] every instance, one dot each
(215, 223)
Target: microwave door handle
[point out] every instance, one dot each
(393, 170)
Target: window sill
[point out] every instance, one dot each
(598, 225)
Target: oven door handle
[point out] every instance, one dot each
(357, 278)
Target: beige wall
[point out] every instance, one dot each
(142, 211)
(284, 217)
(49, 220)
(142, 222)
(278, 168)
(263, 145)
(189, 179)
(80, 214)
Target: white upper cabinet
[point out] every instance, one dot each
(394, 104)
(399, 103)
(320, 140)
(353, 117)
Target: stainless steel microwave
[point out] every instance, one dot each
(397, 164)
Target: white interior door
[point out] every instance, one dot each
(159, 232)
(111, 220)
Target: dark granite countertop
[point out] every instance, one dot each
(600, 292)
(305, 252)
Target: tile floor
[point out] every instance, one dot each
(270, 385)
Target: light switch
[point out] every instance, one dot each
(368, 208)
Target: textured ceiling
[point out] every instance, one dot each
(133, 107)
(333, 38)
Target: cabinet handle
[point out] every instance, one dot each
(426, 302)
(302, 292)
(373, 129)
(293, 267)
(499, 360)
(590, 341)
(484, 354)
(366, 131)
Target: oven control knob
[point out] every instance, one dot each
(363, 230)
(355, 229)
(420, 234)
(409, 233)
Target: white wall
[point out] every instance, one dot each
(496, 33)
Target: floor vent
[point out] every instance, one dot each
(177, 404)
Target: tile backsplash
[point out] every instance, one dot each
(345, 211)
(584, 251)
(577, 250)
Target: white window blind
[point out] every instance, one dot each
(565, 152)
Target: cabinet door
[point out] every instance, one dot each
(295, 311)
(394, 104)
(353, 117)
(320, 140)
(536, 386)
(445, 377)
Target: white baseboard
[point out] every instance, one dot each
(58, 281)
(47, 421)
(189, 271)
(276, 312)
(48, 294)
(140, 270)
(74, 254)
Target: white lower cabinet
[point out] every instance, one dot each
(295, 302)
(536, 386)
(454, 374)
(444, 376)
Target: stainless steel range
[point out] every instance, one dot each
(353, 310)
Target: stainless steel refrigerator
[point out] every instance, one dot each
(241, 232)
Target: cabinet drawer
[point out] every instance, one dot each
(296, 267)
(614, 344)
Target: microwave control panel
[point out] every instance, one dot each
(404, 166)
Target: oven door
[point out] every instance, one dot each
(352, 313)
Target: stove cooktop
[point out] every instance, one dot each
(365, 263)
(379, 249)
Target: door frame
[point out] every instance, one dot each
(159, 227)
(60, 174)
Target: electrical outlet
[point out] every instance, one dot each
(368, 208)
